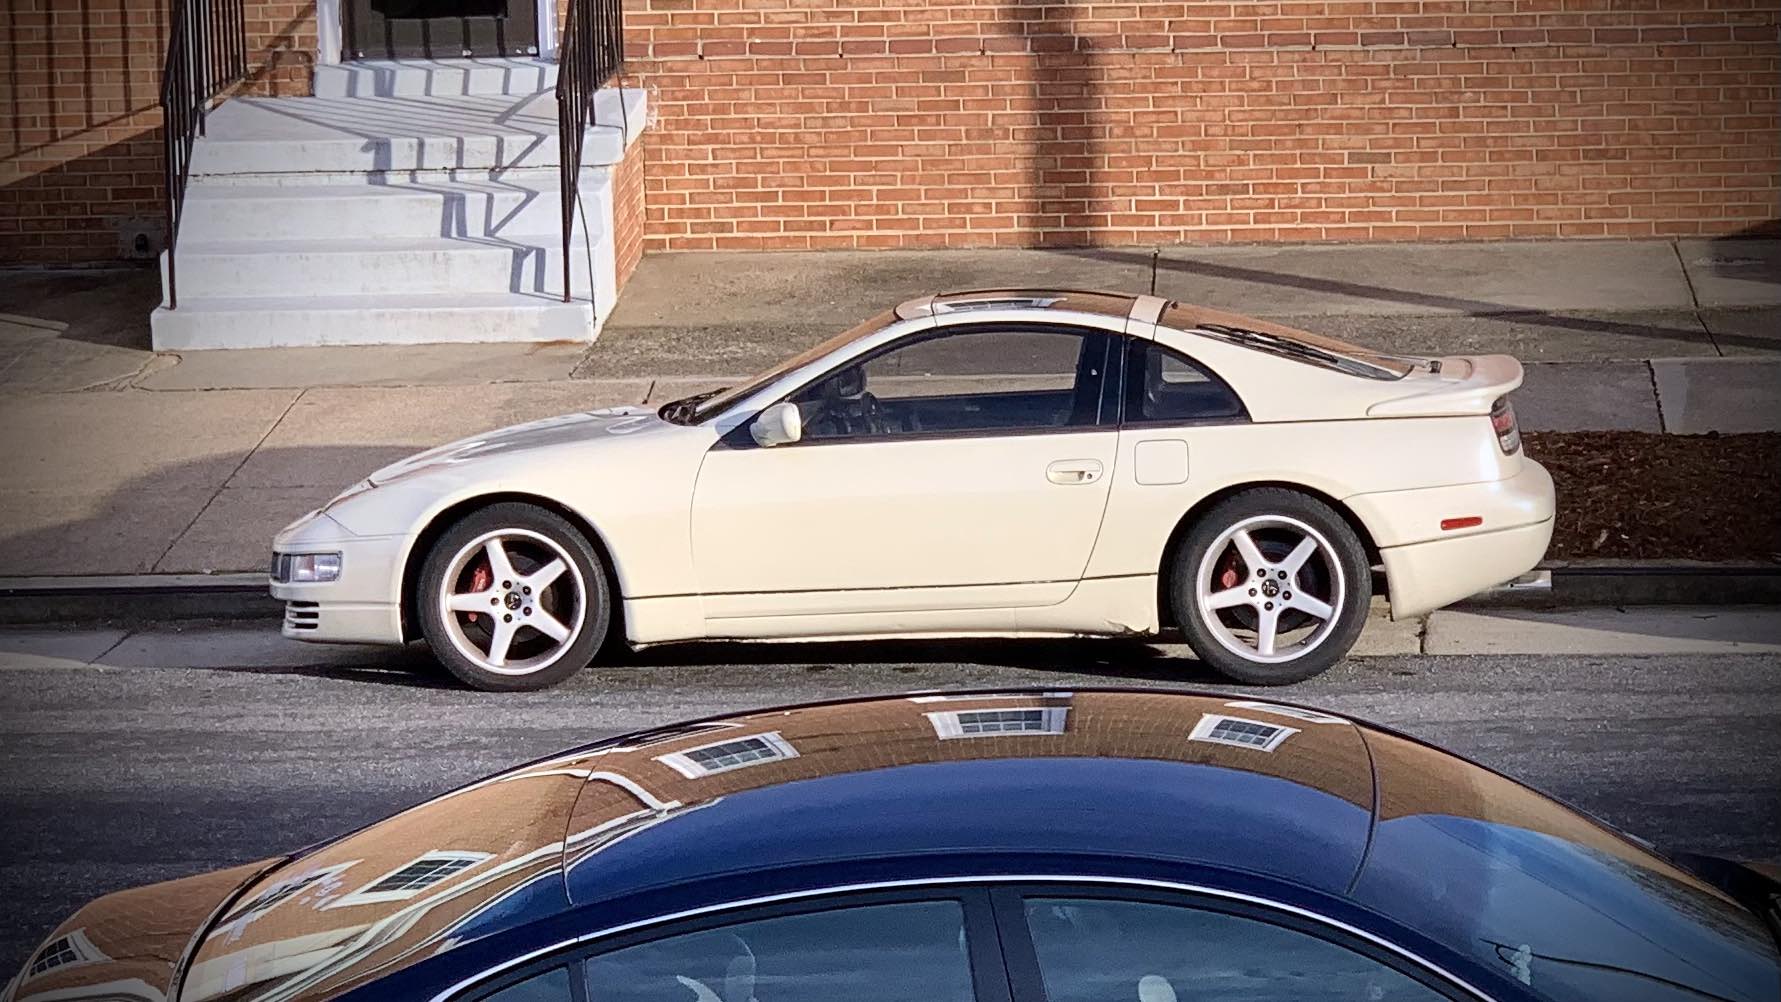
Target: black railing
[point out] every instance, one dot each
(206, 54)
(591, 53)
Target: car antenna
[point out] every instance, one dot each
(1155, 253)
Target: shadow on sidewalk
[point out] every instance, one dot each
(177, 518)
(103, 306)
(1477, 308)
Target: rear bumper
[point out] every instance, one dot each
(1426, 576)
(1427, 567)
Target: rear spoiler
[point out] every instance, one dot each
(1463, 384)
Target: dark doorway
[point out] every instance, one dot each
(440, 29)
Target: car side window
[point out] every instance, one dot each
(551, 986)
(913, 951)
(962, 380)
(1164, 386)
(1094, 950)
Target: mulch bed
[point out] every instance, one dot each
(1631, 494)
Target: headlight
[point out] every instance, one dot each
(306, 568)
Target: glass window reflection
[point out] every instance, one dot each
(904, 952)
(1135, 951)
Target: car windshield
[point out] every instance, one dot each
(1290, 342)
(702, 406)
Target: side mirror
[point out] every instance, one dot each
(779, 424)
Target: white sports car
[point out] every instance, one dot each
(1005, 463)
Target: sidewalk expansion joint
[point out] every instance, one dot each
(1657, 398)
(1694, 298)
(224, 485)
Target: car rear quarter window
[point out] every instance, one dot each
(1546, 896)
(1164, 386)
(901, 952)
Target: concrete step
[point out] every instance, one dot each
(357, 266)
(435, 77)
(218, 322)
(252, 135)
(408, 207)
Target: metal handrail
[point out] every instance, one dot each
(591, 54)
(206, 55)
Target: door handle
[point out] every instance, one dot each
(1074, 471)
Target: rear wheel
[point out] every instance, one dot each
(513, 598)
(1271, 587)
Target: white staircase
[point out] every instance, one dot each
(405, 203)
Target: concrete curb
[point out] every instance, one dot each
(135, 597)
(158, 597)
(1609, 583)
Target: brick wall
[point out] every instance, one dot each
(80, 147)
(628, 208)
(80, 120)
(877, 123)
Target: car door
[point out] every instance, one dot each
(1176, 416)
(960, 469)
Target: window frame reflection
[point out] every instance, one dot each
(983, 952)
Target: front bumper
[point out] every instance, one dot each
(1427, 567)
(363, 606)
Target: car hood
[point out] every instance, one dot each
(563, 429)
(133, 944)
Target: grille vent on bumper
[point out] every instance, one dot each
(302, 615)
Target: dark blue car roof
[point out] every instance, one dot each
(1060, 782)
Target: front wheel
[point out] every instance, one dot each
(513, 598)
(1271, 587)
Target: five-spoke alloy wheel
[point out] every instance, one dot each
(1271, 586)
(513, 597)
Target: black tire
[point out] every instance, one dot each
(1349, 615)
(589, 619)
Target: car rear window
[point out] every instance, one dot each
(1288, 342)
(1548, 896)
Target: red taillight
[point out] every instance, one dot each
(1462, 522)
(1502, 421)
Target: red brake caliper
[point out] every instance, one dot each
(480, 579)
(1228, 574)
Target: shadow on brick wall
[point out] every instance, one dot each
(82, 164)
(1065, 158)
(102, 206)
(37, 62)
(80, 151)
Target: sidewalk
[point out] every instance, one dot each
(122, 461)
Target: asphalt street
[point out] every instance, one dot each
(114, 776)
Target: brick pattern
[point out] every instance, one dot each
(874, 123)
(627, 208)
(81, 173)
(281, 43)
(80, 147)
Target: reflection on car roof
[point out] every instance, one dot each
(1110, 304)
(1200, 780)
